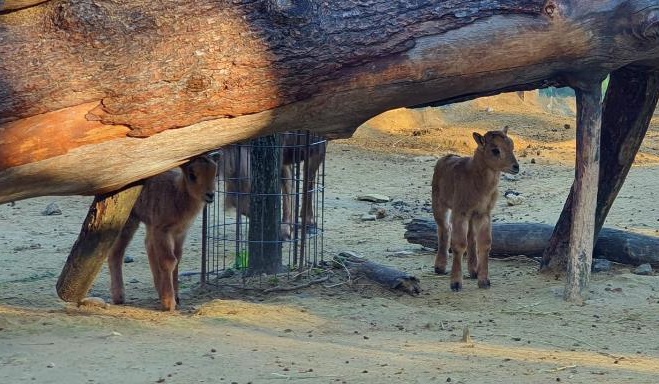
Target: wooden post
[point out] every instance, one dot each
(580, 254)
(628, 107)
(105, 219)
(265, 254)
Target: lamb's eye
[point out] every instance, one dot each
(496, 152)
(192, 177)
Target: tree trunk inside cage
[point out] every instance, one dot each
(264, 247)
(272, 191)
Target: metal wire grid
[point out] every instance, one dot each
(225, 241)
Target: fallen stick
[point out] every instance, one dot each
(381, 274)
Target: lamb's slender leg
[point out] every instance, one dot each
(315, 158)
(287, 201)
(443, 238)
(484, 239)
(160, 248)
(460, 224)
(178, 252)
(116, 260)
(472, 248)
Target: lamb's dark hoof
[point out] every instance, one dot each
(456, 286)
(473, 275)
(485, 284)
(440, 271)
(178, 300)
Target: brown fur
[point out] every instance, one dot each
(235, 170)
(464, 191)
(167, 205)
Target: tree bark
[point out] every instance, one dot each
(81, 80)
(531, 239)
(630, 101)
(580, 248)
(105, 219)
(265, 253)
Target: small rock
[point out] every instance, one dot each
(128, 259)
(93, 302)
(367, 217)
(514, 199)
(52, 209)
(424, 159)
(643, 269)
(374, 198)
(403, 254)
(379, 212)
(349, 254)
(51, 365)
(601, 265)
(134, 281)
(489, 109)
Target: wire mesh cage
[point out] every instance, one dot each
(270, 203)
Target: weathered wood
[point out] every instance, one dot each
(228, 71)
(630, 101)
(580, 249)
(531, 239)
(12, 5)
(384, 275)
(265, 253)
(105, 219)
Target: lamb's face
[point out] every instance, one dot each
(498, 150)
(199, 176)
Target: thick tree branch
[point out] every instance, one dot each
(242, 68)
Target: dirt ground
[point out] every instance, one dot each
(352, 331)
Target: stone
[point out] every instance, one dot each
(52, 209)
(368, 217)
(513, 199)
(643, 269)
(374, 198)
(379, 212)
(601, 265)
(128, 259)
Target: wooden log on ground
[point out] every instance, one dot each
(531, 239)
(106, 217)
(384, 275)
(630, 101)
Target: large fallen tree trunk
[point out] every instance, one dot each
(81, 80)
(531, 239)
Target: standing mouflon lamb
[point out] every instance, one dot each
(168, 204)
(464, 191)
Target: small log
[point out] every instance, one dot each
(106, 217)
(530, 239)
(381, 274)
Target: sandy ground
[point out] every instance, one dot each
(351, 331)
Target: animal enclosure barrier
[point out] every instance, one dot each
(282, 221)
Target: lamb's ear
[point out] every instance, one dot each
(190, 174)
(480, 139)
(505, 130)
(188, 171)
